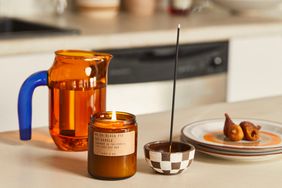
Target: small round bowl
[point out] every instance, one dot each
(159, 158)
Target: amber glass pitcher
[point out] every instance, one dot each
(77, 88)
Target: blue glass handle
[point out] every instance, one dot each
(25, 102)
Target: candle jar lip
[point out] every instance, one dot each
(103, 117)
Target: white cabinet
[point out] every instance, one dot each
(255, 70)
(255, 67)
(14, 70)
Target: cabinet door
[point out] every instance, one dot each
(14, 70)
(255, 67)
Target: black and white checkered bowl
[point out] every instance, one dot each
(159, 158)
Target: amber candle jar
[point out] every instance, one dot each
(112, 145)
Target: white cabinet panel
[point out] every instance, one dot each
(255, 67)
(14, 70)
(152, 97)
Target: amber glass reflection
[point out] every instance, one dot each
(112, 167)
(77, 89)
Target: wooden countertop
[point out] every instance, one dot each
(125, 31)
(38, 163)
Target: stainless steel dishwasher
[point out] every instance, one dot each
(140, 79)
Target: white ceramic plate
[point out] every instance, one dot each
(234, 151)
(241, 158)
(241, 154)
(210, 133)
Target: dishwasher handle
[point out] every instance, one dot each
(157, 56)
(166, 55)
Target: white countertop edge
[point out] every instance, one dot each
(136, 39)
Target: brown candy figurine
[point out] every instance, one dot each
(251, 131)
(231, 130)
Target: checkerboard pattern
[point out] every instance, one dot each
(169, 163)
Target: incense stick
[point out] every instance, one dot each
(174, 85)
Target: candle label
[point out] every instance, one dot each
(114, 144)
